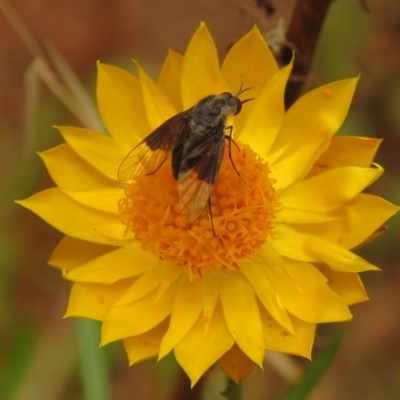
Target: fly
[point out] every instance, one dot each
(195, 138)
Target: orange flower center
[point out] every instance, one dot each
(242, 209)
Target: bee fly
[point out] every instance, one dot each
(196, 138)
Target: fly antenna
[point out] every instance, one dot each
(245, 101)
(241, 90)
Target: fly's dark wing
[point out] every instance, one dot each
(200, 160)
(146, 157)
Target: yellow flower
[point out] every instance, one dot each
(280, 262)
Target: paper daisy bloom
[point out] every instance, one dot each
(281, 260)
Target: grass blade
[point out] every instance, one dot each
(316, 370)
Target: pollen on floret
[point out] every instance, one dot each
(372, 142)
(100, 298)
(327, 92)
(243, 209)
(342, 239)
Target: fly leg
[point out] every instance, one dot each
(229, 138)
(211, 217)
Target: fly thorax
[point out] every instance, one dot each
(211, 111)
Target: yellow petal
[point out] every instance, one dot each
(238, 71)
(316, 302)
(364, 215)
(239, 304)
(102, 199)
(121, 105)
(283, 282)
(172, 272)
(266, 116)
(289, 243)
(94, 300)
(295, 216)
(158, 106)
(278, 339)
(346, 151)
(347, 285)
(169, 79)
(56, 208)
(136, 318)
(99, 150)
(355, 221)
(71, 253)
(339, 186)
(337, 257)
(145, 346)
(201, 75)
(185, 312)
(211, 284)
(264, 285)
(307, 128)
(295, 244)
(125, 262)
(71, 172)
(236, 364)
(161, 273)
(202, 347)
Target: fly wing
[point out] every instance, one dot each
(141, 161)
(200, 163)
(148, 156)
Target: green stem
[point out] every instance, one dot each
(316, 371)
(232, 391)
(94, 372)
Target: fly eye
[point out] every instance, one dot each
(238, 105)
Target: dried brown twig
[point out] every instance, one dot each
(302, 36)
(55, 73)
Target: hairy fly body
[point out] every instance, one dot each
(195, 138)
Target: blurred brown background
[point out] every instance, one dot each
(38, 350)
